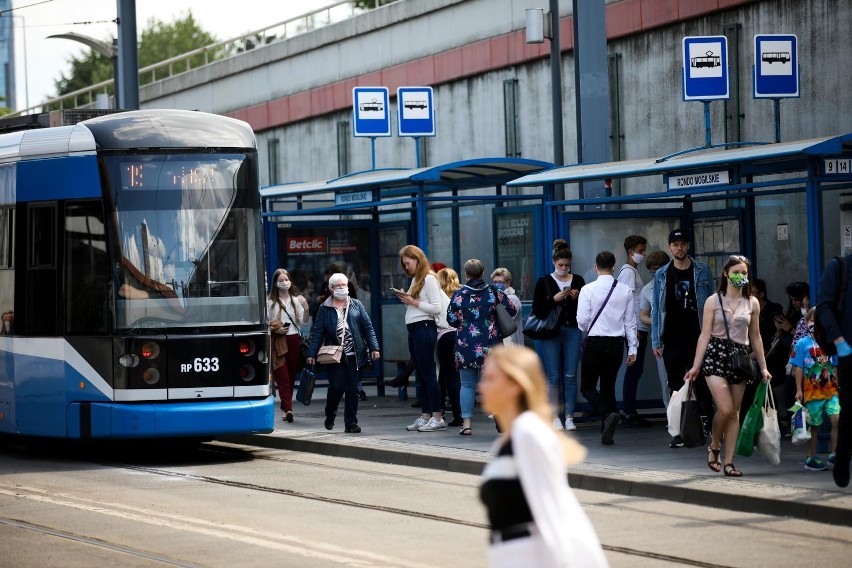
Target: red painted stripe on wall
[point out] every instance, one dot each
(623, 18)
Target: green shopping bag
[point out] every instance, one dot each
(753, 422)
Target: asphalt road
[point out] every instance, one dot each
(230, 505)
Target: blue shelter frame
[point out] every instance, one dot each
(815, 167)
(399, 201)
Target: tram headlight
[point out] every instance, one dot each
(128, 360)
(261, 357)
(151, 376)
(150, 350)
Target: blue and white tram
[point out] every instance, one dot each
(131, 279)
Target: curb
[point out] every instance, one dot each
(738, 495)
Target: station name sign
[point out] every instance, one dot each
(353, 197)
(704, 179)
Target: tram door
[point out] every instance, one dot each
(715, 238)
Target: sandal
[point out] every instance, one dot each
(465, 432)
(715, 464)
(731, 471)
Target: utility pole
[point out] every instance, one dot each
(128, 56)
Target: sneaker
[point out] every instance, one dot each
(354, 429)
(455, 422)
(329, 422)
(832, 458)
(416, 424)
(610, 423)
(815, 464)
(676, 442)
(433, 425)
(569, 424)
(557, 424)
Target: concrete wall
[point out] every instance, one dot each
(297, 90)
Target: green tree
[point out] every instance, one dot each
(159, 41)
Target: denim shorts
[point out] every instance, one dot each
(816, 407)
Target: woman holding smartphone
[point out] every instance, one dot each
(422, 305)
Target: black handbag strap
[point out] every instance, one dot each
(724, 317)
(597, 315)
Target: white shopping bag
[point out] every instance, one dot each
(674, 408)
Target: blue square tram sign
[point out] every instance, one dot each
(776, 67)
(705, 68)
(370, 112)
(416, 111)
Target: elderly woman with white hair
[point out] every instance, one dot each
(342, 320)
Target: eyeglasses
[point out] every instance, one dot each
(737, 258)
(339, 286)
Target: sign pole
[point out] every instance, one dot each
(708, 134)
(777, 120)
(417, 151)
(373, 151)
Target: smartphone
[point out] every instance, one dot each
(398, 291)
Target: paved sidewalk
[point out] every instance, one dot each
(640, 463)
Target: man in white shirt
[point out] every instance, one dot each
(606, 313)
(635, 246)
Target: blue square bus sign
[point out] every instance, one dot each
(416, 111)
(705, 68)
(776, 67)
(370, 112)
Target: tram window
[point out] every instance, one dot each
(7, 218)
(87, 272)
(42, 241)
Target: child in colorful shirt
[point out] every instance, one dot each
(816, 387)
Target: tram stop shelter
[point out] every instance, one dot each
(785, 206)
(357, 223)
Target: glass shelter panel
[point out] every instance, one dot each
(781, 231)
(589, 237)
(476, 230)
(515, 249)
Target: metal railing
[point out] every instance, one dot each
(309, 21)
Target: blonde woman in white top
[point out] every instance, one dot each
(286, 314)
(422, 307)
(535, 518)
(712, 356)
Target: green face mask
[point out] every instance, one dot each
(738, 280)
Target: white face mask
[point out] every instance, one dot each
(340, 293)
(283, 285)
(637, 258)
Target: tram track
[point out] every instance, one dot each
(98, 543)
(628, 551)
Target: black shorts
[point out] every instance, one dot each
(717, 359)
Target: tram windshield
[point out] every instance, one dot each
(188, 242)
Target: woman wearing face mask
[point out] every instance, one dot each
(286, 315)
(742, 311)
(342, 320)
(560, 347)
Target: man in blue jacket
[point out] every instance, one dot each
(680, 289)
(838, 326)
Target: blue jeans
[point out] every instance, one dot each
(422, 339)
(469, 378)
(561, 355)
(343, 381)
(632, 375)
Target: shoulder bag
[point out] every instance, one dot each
(541, 328)
(332, 354)
(597, 315)
(505, 323)
(742, 365)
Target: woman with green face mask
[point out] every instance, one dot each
(731, 324)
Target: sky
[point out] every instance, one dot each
(46, 58)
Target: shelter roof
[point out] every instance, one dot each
(478, 172)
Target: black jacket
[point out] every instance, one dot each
(543, 303)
